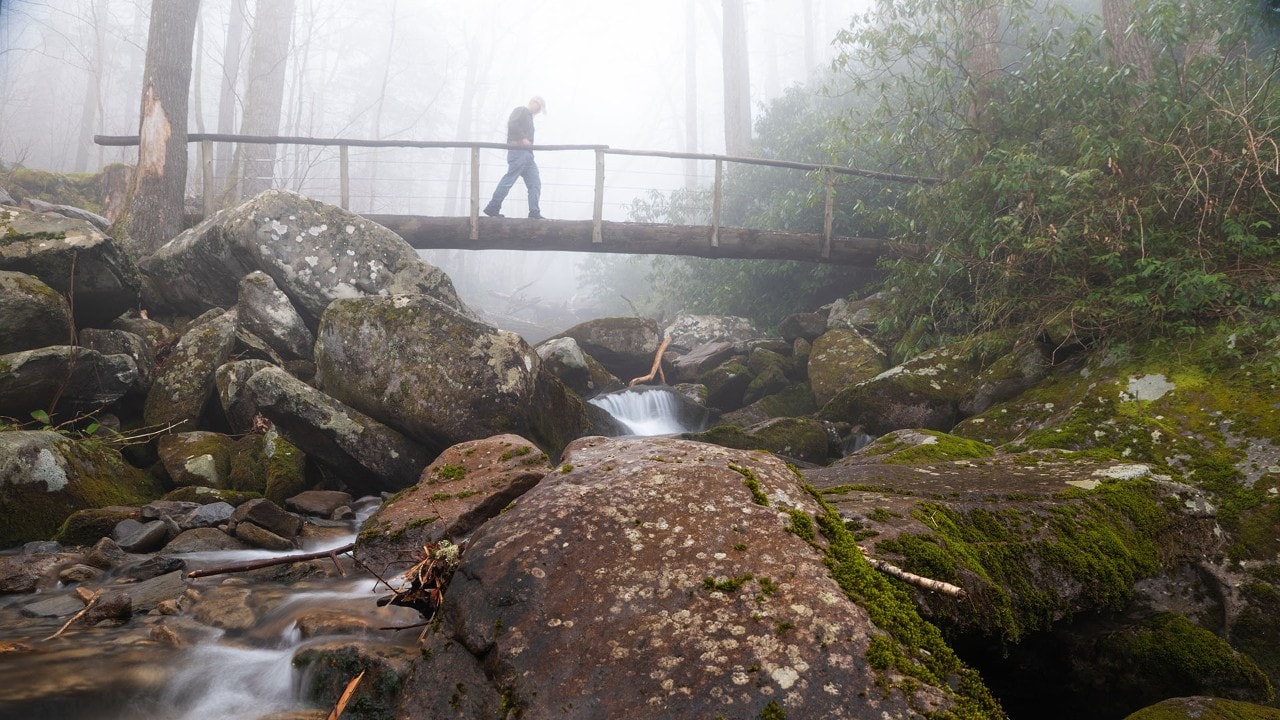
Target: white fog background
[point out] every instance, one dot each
(612, 72)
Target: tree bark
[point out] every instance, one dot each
(981, 20)
(228, 98)
(155, 212)
(737, 80)
(91, 107)
(264, 99)
(1125, 45)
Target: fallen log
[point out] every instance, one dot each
(268, 562)
(945, 588)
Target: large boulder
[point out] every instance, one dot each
(76, 378)
(367, 455)
(624, 345)
(426, 369)
(185, 382)
(265, 311)
(840, 358)
(32, 314)
(46, 476)
(579, 371)
(314, 252)
(673, 579)
(689, 331)
(465, 486)
(53, 248)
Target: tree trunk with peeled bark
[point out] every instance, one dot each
(155, 211)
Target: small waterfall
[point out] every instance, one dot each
(647, 411)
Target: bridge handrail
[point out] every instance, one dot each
(206, 141)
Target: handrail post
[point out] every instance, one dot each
(475, 193)
(597, 212)
(206, 175)
(715, 204)
(828, 214)
(344, 162)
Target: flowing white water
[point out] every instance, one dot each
(644, 412)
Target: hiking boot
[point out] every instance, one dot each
(492, 212)
(536, 216)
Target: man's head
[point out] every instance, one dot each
(537, 105)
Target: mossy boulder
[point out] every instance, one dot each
(625, 346)
(83, 190)
(1205, 708)
(185, 381)
(726, 384)
(803, 439)
(792, 401)
(32, 314)
(75, 259)
(45, 477)
(425, 369)
(198, 458)
(87, 527)
(770, 371)
(579, 371)
(840, 358)
(76, 380)
(325, 669)
(314, 252)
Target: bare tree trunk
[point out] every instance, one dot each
(810, 41)
(91, 107)
(268, 60)
(155, 212)
(690, 94)
(382, 99)
(456, 199)
(737, 80)
(228, 98)
(982, 32)
(1126, 46)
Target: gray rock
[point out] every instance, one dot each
(367, 455)
(210, 515)
(625, 346)
(105, 554)
(690, 331)
(68, 211)
(53, 607)
(314, 252)
(265, 311)
(267, 515)
(320, 503)
(258, 536)
(32, 314)
(123, 342)
(151, 536)
(197, 458)
(237, 406)
(204, 539)
(186, 379)
(579, 371)
(81, 379)
(425, 369)
(808, 325)
(106, 282)
(704, 357)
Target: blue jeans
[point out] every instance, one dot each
(520, 164)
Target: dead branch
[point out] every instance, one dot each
(255, 564)
(919, 581)
(423, 588)
(657, 365)
(93, 600)
(346, 697)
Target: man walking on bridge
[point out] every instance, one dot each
(520, 162)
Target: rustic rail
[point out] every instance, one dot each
(829, 173)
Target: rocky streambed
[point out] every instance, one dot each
(1027, 528)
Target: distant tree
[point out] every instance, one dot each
(980, 22)
(737, 79)
(228, 94)
(264, 99)
(91, 105)
(155, 211)
(1125, 43)
(690, 94)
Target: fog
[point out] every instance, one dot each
(612, 73)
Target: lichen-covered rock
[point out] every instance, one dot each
(805, 325)
(229, 380)
(45, 477)
(367, 455)
(1022, 367)
(265, 311)
(32, 314)
(690, 331)
(859, 315)
(579, 371)
(468, 484)
(314, 252)
(793, 401)
(726, 384)
(81, 380)
(700, 359)
(667, 578)
(840, 358)
(803, 439)
(157, 334)
(623, 345)
(425, 369)
(51, 247)
(185, 381)
(197, 458)
(122, 342)
(1205, 708)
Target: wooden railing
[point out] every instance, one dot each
(829, 172)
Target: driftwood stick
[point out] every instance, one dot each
(346, 697)
(919, 581)
(255, 564)
(657, 364)
(92, 601)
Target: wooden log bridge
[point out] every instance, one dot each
(478, 232)
(437, 233)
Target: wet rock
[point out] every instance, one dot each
(803, 439)
(265, 311)
(366, 454)
(205, 539)
(425, 369)
(27, 573)
(32, 315)
(266, 515)
(625, 346)
(78, 573)
(793, 401)
(205, 516)
(770, 373)
(105, 554)
(185, 381)
(468, 484)
(225, 606)
(323, 623)
(582, 373)
(726, 385)
(314, 252)
(558, 416)
(50, 247)
(86, 527)
(81, 379)
(666, 566)
(327, 668)
(148, 537)
(45, 477)
(156, 566)
(320, 503)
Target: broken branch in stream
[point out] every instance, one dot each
(918, 580)
(268, 562)
(657, 365)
